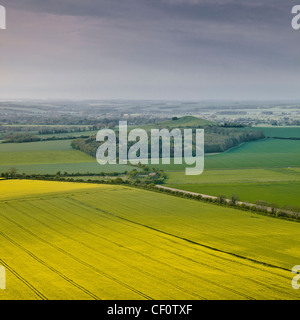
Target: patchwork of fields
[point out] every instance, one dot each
(82, 241)
(265, 170)
(64, 240)
(278, 186)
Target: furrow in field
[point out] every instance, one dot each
(161, 280)
(161, 235)
(225, 258)
(176, 242)
(79, 260)
(192, 242)
(49, 266)
(23, 280)
(182, 238)
(58, 206)
(105, 255)
(193, 275)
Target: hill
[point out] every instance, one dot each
(183, 122)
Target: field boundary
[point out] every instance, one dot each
(182, 238)
(241, 203)
(222, 201)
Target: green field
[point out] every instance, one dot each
(47, 152)
(258, 154)
(278, 186)
(255, 154)
(280, 194)
(282, 132)
(265, 170)
(71, 241)
(62, 145)
(48, 157)
(229, 176)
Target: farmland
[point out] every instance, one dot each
(257, 170)
(48, 157)
(62, 240)
(264, 153)
(266, 170)
(278, 186)
(82, 241)
(282, 132)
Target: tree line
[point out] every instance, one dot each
(217, 139)
(260, 207)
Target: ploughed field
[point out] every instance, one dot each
(63, 240)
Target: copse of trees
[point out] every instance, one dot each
(217, 139)
(220, 139)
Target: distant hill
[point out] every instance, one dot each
(183, 122)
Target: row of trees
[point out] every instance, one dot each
(261, 207)
(20, 137)
(143, 175)
(135, 179)
(26, 137)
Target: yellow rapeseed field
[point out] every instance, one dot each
(82, 241)
(23, 188)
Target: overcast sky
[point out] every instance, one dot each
(150, 49)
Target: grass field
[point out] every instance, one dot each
(48, 157)
(47, 152)
(278, 186)
(265, 170)
(82, 241)
(281, 194)
(282, 132)
(264, 153)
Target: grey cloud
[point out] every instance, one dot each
(230, 10)
(262, 12)
(146, 48)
